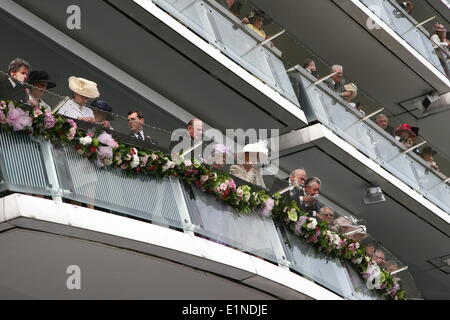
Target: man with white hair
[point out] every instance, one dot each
(336, 82)
(383, 122)
(308, 199)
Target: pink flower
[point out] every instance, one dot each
(223, 187)
(18, 119)
(2, 105)
(108, 140)
(298, 226)
(72, 123)
(315, 237)
(49, 121)
(144, 161)
(267, 209)
(37, 112)
(104, 152)
(231, 184)
(71, 133)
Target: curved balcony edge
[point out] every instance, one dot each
(52, 217)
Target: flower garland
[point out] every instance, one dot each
(101, 148)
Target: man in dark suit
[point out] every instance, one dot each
(336, 82)
(185, 139)
(12, 85)
(307, 197)
(136, 123)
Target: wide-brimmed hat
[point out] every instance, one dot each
(258, 14)
(104, 106)
(259, 148)
(428, 150)
(351, 87)
(40, 76)
(405, 128)
(83, 87)
(439, 27)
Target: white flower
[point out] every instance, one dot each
(168, 165)
(374, 280)
(154, 157)
(312, 224)
(187, 163)
(239, 193)
(135, 162)
(203, 179)
(107, 161)
(357, 261)
(86, 141)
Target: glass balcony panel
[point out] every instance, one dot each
(360, 290)
(281, 77)
(191, 12)
(241, 47)
(22, 165)
(404, 27)
(317, 266)
(143, 197)
(441, 194)
(220, 223)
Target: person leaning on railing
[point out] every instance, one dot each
(407, 5)
(382, 121)
(12, 85)
(310, 66)
(439, 38)
(249, 160)
(405, 135)
(427, 155)
(256, 20)
(83, 91)
(336, 82)
(39, 82)
(307, 199)
(102, 112)
(352, 92)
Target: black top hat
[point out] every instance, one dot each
(428, 150)
(40, 76)
(102, 105)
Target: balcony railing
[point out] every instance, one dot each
(396, 18)
(38, 167)
(226, 32)
(370, 139)
(236, 37)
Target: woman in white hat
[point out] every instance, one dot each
(83, 91)
(246, 169)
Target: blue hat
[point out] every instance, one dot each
(103, 106)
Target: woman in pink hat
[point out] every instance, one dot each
(405, 135)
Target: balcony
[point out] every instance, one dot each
(33, 166)
(373, 141)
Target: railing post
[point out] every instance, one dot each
(418, 25)
(260, 44)
(50, 167)
(408, 150)
(188, 227)
(364, 119)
